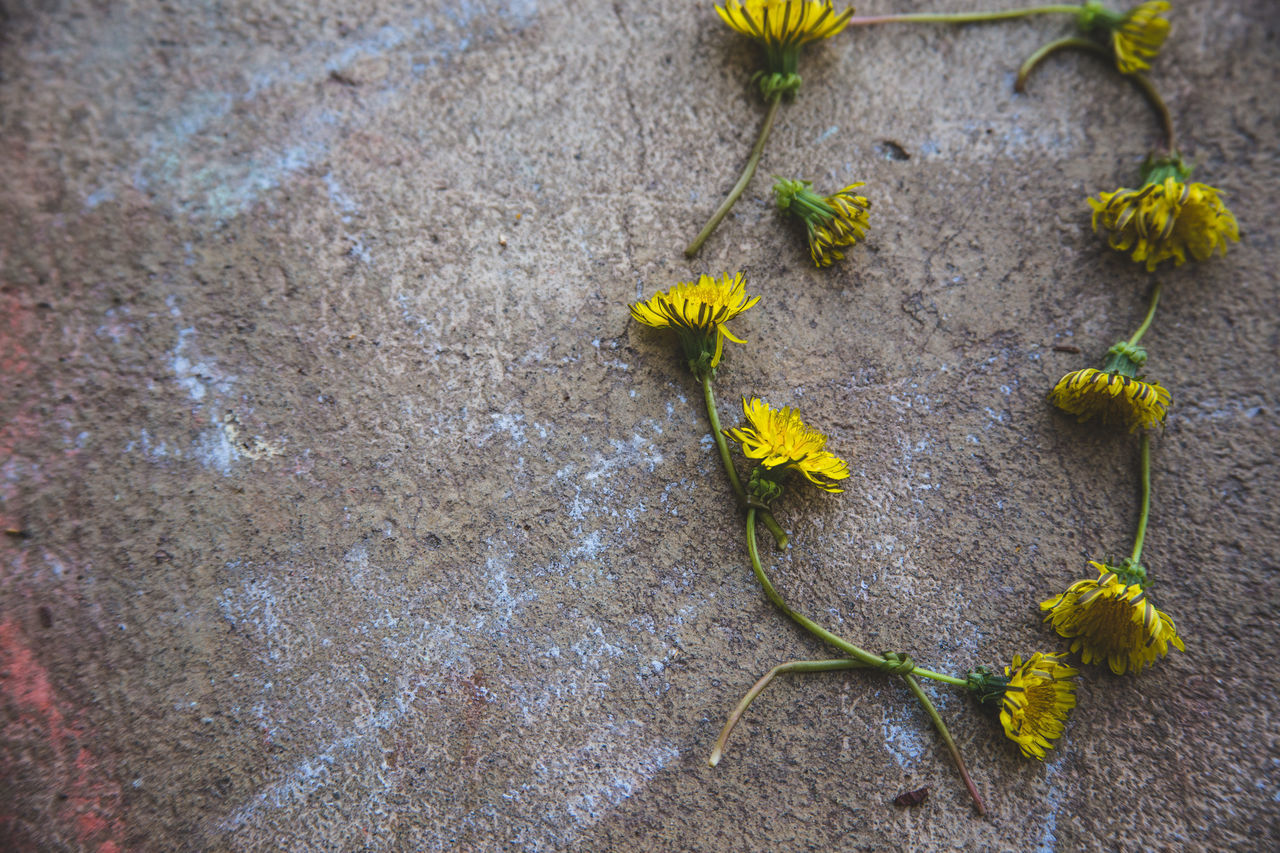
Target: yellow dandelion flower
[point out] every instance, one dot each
(832, 222)
(1139, 36)
(782, 27)
(698, 312)
(783, 442)
(1113, 397)
(1166, 219)
(1109, 620)
(781, 23)
(1036, 700)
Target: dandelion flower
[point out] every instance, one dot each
(783, 442)
(1036, 700)
(782, 27)
(698, 312)
(832, 221)
(1165, 219)
(1139, 36)
(1111, 621)
(1113, 397)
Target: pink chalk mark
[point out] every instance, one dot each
(92, 802)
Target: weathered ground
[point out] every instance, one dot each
(357, 514)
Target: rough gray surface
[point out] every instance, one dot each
(360, 516)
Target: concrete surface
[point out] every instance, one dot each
(359, 516)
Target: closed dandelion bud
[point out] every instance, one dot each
(1034, 697)
(832, 222)
(782, 27)
(1136, 35)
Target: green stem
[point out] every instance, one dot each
(795, 666)
(814, 628)
(1090, 46)
(713, 415)
(965, 17)
(1151, 313)
(947, 739)
(732, 198)
(1146, 499)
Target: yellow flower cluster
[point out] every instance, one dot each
(698, 312)
(1112, 397)
(1039, 695)
(783, 442)
(1139, 36)
(784, 23)
(1109, 621)
(1167, 219)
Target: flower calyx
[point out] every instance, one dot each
(1124, 358)
(1157, 168)
(762, 488)
(777, 84)
(985, 683)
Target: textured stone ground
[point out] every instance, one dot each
(358, 515)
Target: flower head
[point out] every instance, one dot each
(782, 26)
(1166, 219)
(783, 442)
(1139, 36)
(1111, 396)
(698, 312)
(1112, 620)
(1035, 698)
(1136, 35)
(831, 221)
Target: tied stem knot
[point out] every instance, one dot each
(897, 663)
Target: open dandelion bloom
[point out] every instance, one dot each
(782, 26)
(1111, 621)
(833, 221)
(698, 312)
(1113, 397)
(1039, 695)
(1166, 219)
(783, 442)
(1136, 35)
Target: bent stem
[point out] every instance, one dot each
(1146, 321)
(964, 17)
(867, 658)
(946, 737)
(1090, 46)
(747, 173)
(1146, 499)
(795, 666)
(713, 415)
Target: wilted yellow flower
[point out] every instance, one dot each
(698, 312)
(782, 26)
(831, 221)
(1166, 219)
(1037, 698)
(1111, 621)
(783, 442)
(1113, 397)
(1139, 35)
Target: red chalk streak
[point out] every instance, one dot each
(91, 809)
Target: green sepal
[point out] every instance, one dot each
(1157, 169)
(1124, 358)
(1129, 572)
(984, 682)
(762, 489)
